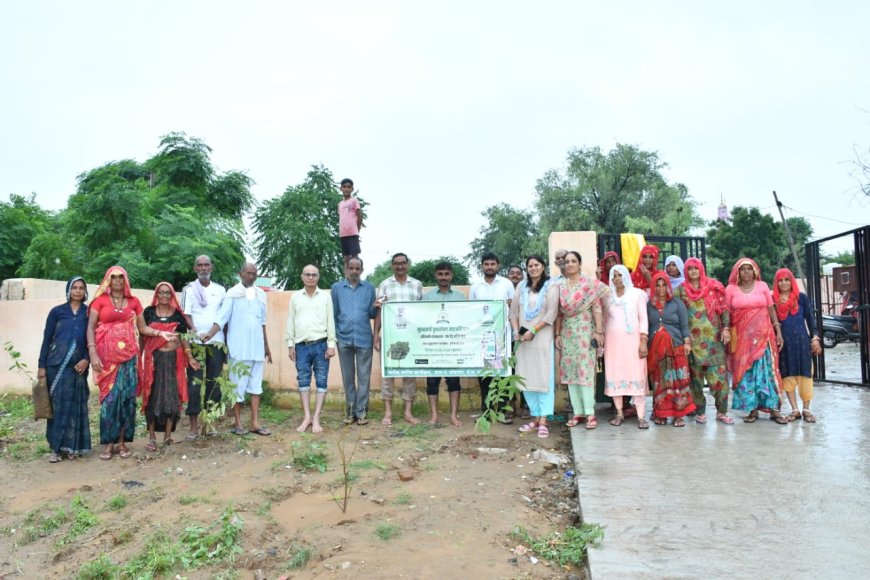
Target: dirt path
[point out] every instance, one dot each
(454, 517)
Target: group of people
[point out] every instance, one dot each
(666, 333)
(661, 332)
(147, 354)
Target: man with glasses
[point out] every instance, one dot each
(311, 343)
(401, 287)
(200, 302)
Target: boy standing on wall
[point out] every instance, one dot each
(350, 219)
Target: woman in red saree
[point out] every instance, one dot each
(646, 267)
(163, 373)
(114, 324)
(669, 347)
(607, 261)
(756, 339)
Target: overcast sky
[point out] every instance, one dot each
(438, 110)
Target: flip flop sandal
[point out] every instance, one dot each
(660, 421)
(528, 427)
(151, 445)
(54, 458)
(779, 419)
(239, 431)
(726, 419)
(679, 423)
(575, 420)
(793, 416)
(617, 421)
(262, 431)
(108, 453)
(752, 417)
(591, 423)
(349, 420)
(362, 421)
(192, 436)
(642, 424)
(543, 432)
(700, 418)
(808, 417)
(125, 453)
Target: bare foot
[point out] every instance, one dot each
(306, 423)
(387, 420)
(433, 420)
(315, 427)
(454, 420)
(411, 419)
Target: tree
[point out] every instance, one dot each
(21, 220)
(424, 271)
(623, 190)
(299, 228)
(152, 218)
(508, 232)
(750, 234)
(843, 258)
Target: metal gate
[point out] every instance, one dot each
(682, 246)
(815, 284)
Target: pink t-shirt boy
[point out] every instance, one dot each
(349, 221)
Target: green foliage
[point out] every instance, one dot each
(424, 271)
(750, 234)
(38, 524)
(502, 391)
(21, 220)
(622, 190)
(844, 258)
(348, 477)
(17, 364)
(100, 569)
(192, 499)
(368, 464)
(83, 519)
(508, 232)
(300, 227)
(152, 218)
(801, 233)
(387, 532)
(299, 556)
(309, 457)
(566, 548)
(159, 556)
(117, 503)
(403, 498)
(220, 542)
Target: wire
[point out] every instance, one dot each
(822, 217)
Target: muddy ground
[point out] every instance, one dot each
(454, 517)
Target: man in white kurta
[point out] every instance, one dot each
(244, 313)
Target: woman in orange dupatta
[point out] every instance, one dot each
(163, 373)
(756, 339)
(114, 324)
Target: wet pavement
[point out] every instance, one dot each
(738, 501)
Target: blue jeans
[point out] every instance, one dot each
(356, 363)
(312, 358)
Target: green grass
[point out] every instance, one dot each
(83, 519)
(100, 569)
(309, 455)
(38, 524)
(192, 499)
(419, 431)
(568, 547)
(403, 498)
(387, 532)
(264, 508)
(117, 503)
(368, 464)
(15, 408)
(299, 556)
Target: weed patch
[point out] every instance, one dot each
(117, 503)
(568, 547)
(309, 457)
(299, 556)
(403, 498)
(387, 532)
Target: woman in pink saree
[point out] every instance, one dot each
(756, 340)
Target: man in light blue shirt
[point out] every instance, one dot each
(244, 312)
(353, 304)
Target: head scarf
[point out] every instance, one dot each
(637, 277)
(734, 278)
(173, 301)
(675, 282)
(107, 281)
(627, 301)
(669, 292)
(605, 271)
(70, 283)
(709, 289)
(790, 306)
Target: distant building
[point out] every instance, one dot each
(723, 214)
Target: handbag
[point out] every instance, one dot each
(41, 400)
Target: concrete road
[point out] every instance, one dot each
(732, 501)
